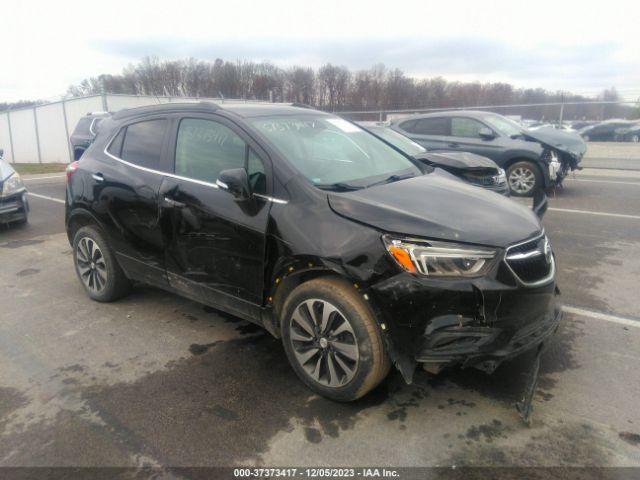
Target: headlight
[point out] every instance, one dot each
(439, 259)
(501, 177)
(12, 185)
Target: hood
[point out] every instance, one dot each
(437, 207)
(458, 161)
(566, 142)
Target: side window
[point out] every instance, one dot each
(204, 148)
(143, 143)
(408, 125)
(465, 127)
(431, 126)
(115, 147)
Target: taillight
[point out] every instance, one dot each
(71, 169)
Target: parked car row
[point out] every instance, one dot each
(612, 131)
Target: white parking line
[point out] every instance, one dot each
(628, 322)
(590, 212)
(57, 200)
(26, 179)
(603, 181)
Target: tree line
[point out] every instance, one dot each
(335, 88)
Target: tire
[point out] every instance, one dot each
(524, 178)
(351, 357)
(96, 266)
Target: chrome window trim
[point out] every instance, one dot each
(91, 131)
(271, 199)
(537, 283)
(178, 177)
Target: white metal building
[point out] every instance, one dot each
(40, 134)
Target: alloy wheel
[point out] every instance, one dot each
(91, 265)
(324, 343)
(522, 180)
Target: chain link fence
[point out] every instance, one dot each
(553, 113)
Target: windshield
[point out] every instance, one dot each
(329, 150)
(505, 126)
(398, 140)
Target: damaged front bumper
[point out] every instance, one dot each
(466, 322)
(14, 208)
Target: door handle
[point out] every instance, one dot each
(170, 202)
(454, 145)
(98, 177)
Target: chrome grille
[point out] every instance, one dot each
(531, 261)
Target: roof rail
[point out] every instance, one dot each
(202, 106)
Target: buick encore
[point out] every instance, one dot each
(357, 256)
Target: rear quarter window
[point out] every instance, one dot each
(140, 143)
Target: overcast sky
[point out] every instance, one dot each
(580, 46)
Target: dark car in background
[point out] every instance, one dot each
(533, 160)
(353, 253)
(632, 134)
(607, 131)
(469, 167)
(85, 131)
(14, 207)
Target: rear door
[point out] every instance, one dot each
(125, 196)
(432, 132)
(215, 244)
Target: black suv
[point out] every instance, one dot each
(353, 253)
(85, 131)
(532, 159)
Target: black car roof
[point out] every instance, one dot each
(240, 109)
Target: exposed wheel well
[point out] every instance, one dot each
(286, 284)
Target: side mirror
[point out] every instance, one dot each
(236, 182)
(1, 152)
(486, 133)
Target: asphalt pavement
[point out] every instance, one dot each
(157, 380)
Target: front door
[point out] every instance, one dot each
(216, 245)
(465, 137)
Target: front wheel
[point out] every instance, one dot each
(524, 179)
(332, 339)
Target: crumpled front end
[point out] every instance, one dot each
(477, 322)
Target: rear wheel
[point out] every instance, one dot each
(332, 339)
(524, 178)
(96, 266)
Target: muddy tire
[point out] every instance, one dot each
(524, 178)
(332, 339)
(96, 266)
